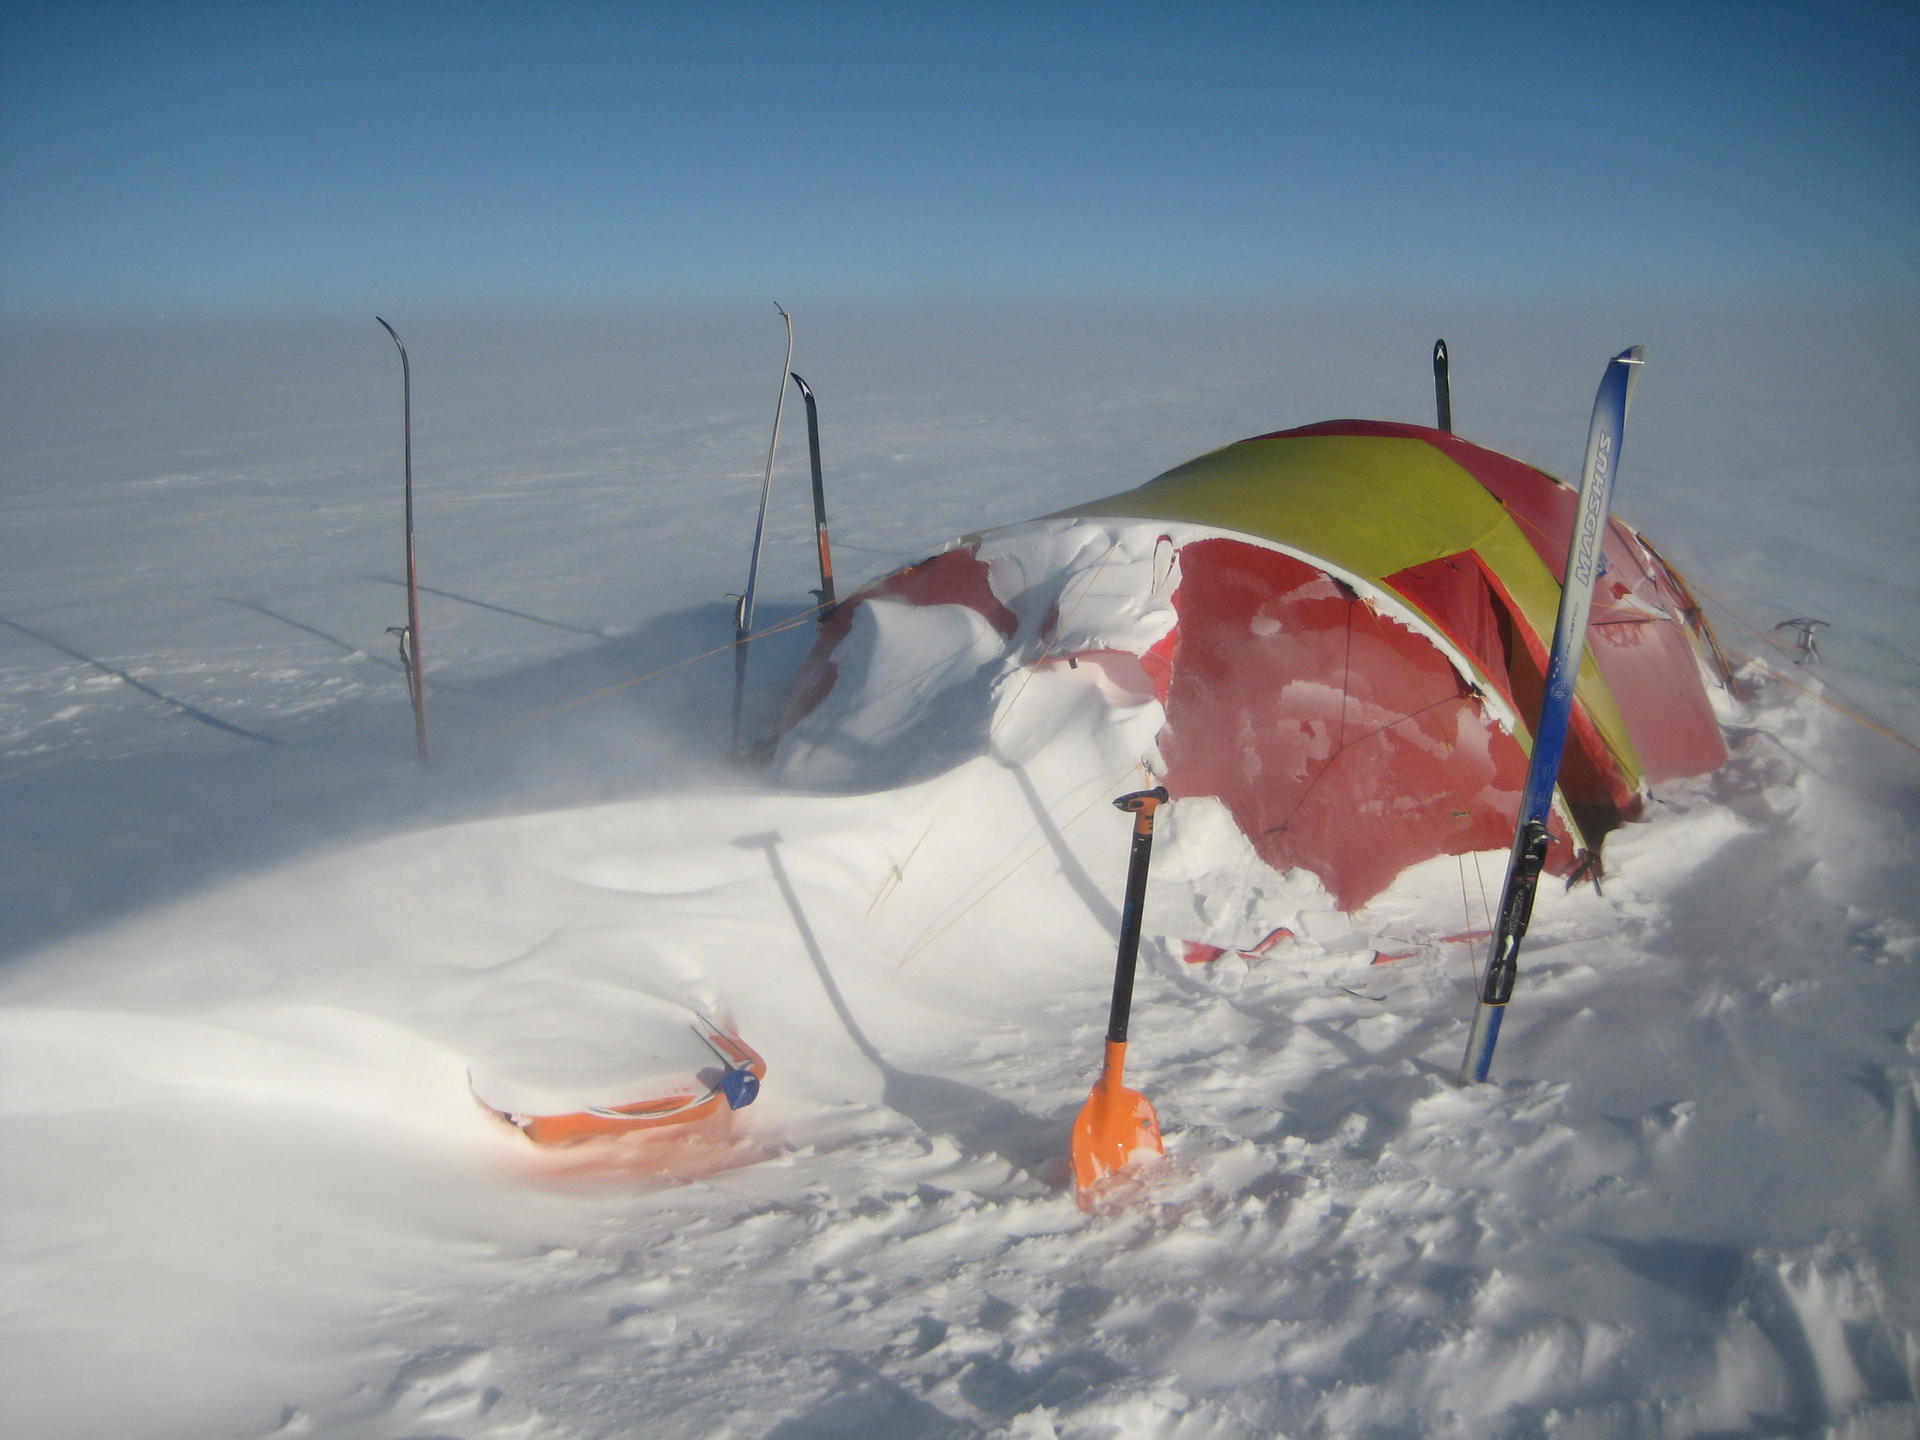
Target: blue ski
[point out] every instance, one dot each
(1530, 839)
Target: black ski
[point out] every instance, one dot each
(825, 592)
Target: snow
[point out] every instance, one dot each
(253, 951)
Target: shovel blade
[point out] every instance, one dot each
(1114, 1127)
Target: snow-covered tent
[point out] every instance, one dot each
(1346, 626)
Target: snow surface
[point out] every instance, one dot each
(252, 950)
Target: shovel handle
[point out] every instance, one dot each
(1140, 804)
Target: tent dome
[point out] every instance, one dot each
(1354, 625)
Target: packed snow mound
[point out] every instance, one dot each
(983, 656)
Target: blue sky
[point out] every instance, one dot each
(222, 157)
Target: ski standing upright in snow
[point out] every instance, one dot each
(1531, 838)
(825, 592)
(410, 636)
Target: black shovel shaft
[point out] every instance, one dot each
(1142, 804)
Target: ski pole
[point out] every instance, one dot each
(743, 607)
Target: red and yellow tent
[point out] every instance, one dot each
(1364, 611)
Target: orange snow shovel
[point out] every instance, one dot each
(1116, 1123)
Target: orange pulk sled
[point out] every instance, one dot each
(735, 1083)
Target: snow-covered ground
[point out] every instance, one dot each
(251, 948)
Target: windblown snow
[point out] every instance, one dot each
(258, 961)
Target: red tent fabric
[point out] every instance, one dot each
(1363, 617)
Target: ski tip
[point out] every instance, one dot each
(1631, 359)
